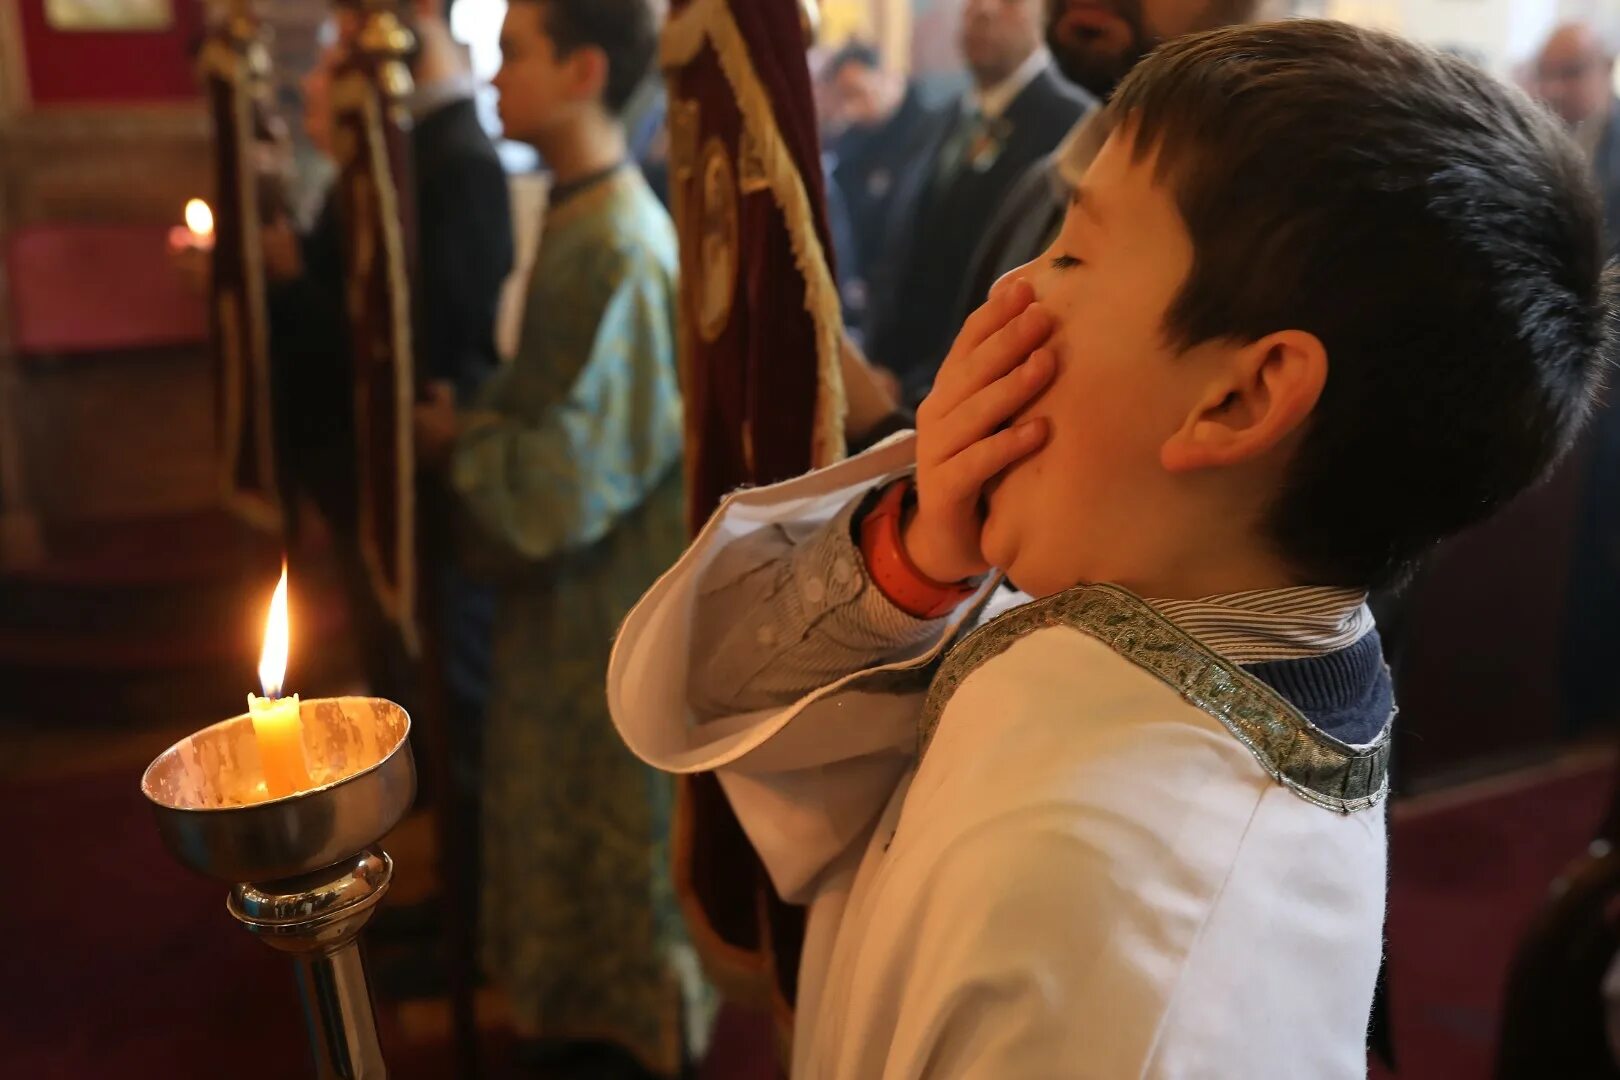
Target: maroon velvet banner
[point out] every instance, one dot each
(753, 380)
(759, 347)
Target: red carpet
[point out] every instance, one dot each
(119, 963)
(1466, 879)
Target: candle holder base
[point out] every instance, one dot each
(305, 871)
(317, 918)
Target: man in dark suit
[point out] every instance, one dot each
(1015, 113)
(878, 124)
(464, 254)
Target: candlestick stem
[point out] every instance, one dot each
(318, 917)
(338, 1017)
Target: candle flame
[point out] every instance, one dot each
(199, 218)
(273, 660)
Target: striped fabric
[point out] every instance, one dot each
(1274, 624)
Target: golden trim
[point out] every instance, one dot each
(398, 601)
(226, 310)
(384, 35)
(1315, 766)
(75, 16)
(244, 318)
(258, 314)
(719, 255)
(349, 92)
(710, 22)
(219, 59)
(685, 121)
(735, 971)
(15, 90)
(248, 506)
(751, 176)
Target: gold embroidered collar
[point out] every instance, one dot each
(1311, 763)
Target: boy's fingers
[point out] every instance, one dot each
(987, 409)
(1002, 308)
(995, 313)
(998, 354)
(980, 463)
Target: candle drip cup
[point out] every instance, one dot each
(305, 869)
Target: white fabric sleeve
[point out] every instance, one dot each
(777, 619)
(807, 777)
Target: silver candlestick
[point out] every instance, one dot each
(305, 870)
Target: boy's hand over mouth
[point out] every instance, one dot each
(964, 435)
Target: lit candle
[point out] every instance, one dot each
(276, 725)
(200, 223)
(197, 234)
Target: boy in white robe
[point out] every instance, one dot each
(1324, 298)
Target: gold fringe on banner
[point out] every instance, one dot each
(397, 599)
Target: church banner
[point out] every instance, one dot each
(235, 70)
(375, 195)
(760, 346)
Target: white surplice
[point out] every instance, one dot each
(1085, 875)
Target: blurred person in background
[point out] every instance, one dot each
(1574, 74)
(1014, 114)
(877, 127)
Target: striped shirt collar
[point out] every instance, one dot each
(1274, 624)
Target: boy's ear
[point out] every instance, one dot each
(588, 73)
(1263, 393)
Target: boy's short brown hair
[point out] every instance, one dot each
(1432, 226)
(625, 30)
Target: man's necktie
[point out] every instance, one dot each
(965, 141)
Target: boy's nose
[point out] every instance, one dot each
(1021, 273)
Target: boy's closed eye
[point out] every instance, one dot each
(1066, 262)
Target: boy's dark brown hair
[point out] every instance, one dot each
(1432, 226)
(625, 30)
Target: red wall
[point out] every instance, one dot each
(96, 68)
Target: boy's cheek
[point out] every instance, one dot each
(1004, 514)
(994, 544)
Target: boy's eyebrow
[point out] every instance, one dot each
(1087, 203)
